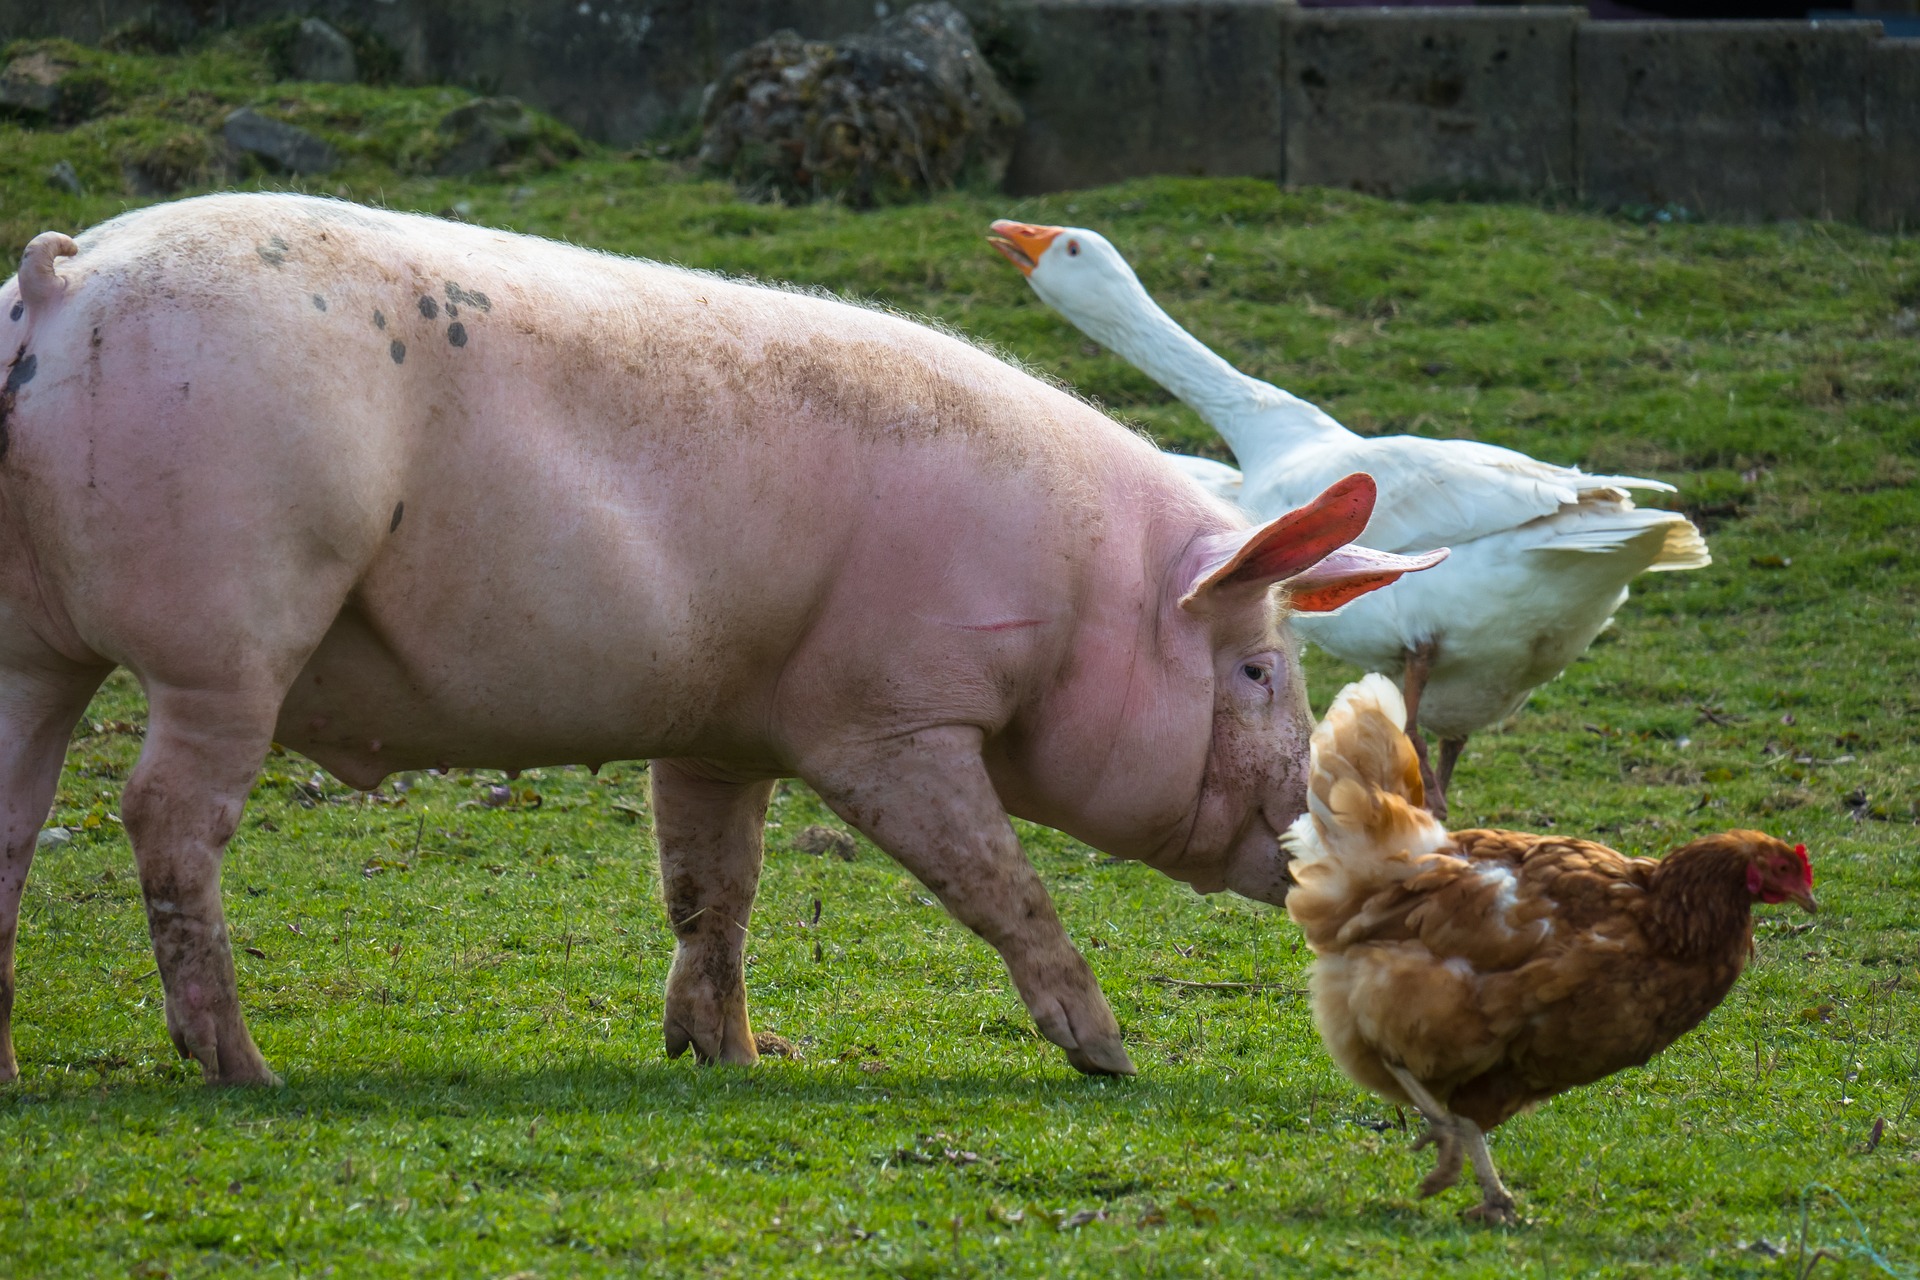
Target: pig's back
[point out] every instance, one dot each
(575, 489)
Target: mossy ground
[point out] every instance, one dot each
(465, 999)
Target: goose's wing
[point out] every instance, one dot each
(1438, 493)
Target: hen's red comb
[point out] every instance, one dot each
(1800, 852)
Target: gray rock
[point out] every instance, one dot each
(481, 134)
(38, 83)
(321, 53)
(63, 177)
(904, 109)
(32, 83)
(53, 837)
(283, 145)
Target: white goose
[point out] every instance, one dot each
(1542, 554)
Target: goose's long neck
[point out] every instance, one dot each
(1257, 419)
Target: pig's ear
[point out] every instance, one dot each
(1350, 573)
(1284, 547)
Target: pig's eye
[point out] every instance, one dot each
(1255, 673)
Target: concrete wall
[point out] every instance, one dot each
(1732, 120)
(1396, 101)
(1749, 119)
(617, 70)
(1122, 88)
(1893, 136)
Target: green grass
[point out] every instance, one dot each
(465, 1000)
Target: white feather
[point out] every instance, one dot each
(1542, 554)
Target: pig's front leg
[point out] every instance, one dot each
(710, 848)
(926, 799)
(181, 807)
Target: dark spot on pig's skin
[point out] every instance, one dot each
(466, 298)
(429, 308)
(399, 509)
(452, 311)
(319, 303)
(273, 252)
(398, 350)
(19, 309)
(457, 334)
(19, 373)
(379, 319)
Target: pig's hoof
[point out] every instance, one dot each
(708, 1050)
(232, 1062)
(244, 1070)
(1106, 1057)
(264, 1078)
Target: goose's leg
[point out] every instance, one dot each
(1419, 664)
(1442, 1129)
(1496, 1202)
(1450, 749)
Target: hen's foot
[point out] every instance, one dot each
(1446, 1161)
(1494, 1212)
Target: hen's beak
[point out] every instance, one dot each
(1804, 899)
(1021, 243)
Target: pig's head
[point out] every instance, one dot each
(1253, 783)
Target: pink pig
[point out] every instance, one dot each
(402, 493)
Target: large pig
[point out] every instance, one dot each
(402, 493)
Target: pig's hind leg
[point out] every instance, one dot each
(181, 806)
(214, 693)
(38, 708)
(709, 831)
(927, 800)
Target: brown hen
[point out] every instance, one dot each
(1473, 974)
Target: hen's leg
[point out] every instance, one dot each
(1419, 664)
(1496, 1203)
(710, 851)
(1441, 1130)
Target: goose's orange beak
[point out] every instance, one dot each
(1021, 243)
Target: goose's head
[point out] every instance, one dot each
(1075, 271)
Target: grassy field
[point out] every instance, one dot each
(464, 996)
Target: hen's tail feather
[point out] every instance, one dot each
(1366, 826)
